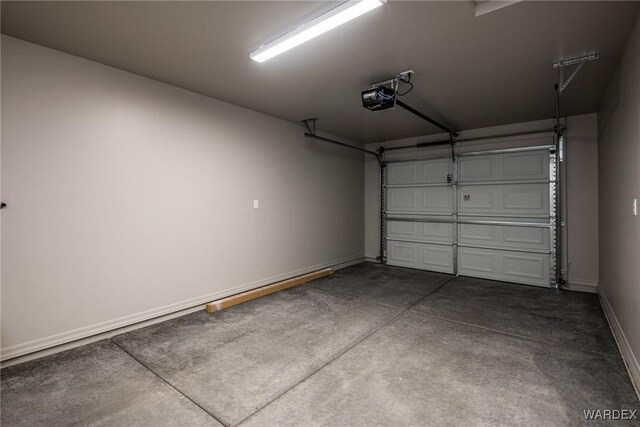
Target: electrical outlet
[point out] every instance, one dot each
(256, 204)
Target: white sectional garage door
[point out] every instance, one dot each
(489, 215)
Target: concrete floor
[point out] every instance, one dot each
(369, 345)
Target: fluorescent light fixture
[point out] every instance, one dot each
(489, 6)
(330, 20)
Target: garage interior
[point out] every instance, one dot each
(320, 213)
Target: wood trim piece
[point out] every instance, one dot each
(266, 290)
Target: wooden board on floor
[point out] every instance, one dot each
(266, 290)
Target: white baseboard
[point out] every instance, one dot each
(81, 336)
(354, 261)
(581, 286)
(370, 259)
(630, 359)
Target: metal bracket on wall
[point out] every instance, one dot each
(578, 62)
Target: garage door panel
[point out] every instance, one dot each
(524, 198)
(476, 169)
(477, 199)
(420, 231)
(527, 165)
(525, 266)
(510, 266)
(422, 256)
(419, 172)
(527, 237)
(476, 261)
(531, 165)
(420, 200)
(504, 200)
(504, 237)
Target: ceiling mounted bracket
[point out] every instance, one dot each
(310, 124)
(394, 82)
(578, 62)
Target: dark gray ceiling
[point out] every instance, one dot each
(470, 72)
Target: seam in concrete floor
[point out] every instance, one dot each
(510, 334)
(371, 301)
(348, 349)
(166, 382)
(367, 301)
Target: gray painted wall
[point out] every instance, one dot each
(581, 201)
(580, 207)
(129, 198)
(619, 184)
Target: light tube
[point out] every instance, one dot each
(330, 20)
